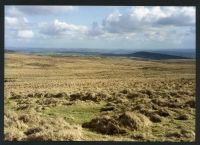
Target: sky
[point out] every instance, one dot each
(102, 27)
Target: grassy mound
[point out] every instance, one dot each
(104, 125)
(134, 121)
(35, 127)
(118, 124)
(88, 96)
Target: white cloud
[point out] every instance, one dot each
(59, 28)
(147, 24)
(146, 14)
(143, 17)
(25, 34)
(184, 16)
(134, 25)
(11, 21)
(17, 23)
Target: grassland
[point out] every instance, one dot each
(94, 98)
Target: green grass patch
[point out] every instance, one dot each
(77, 113)
(172, 125)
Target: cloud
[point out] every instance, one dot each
(37, 10)
(181, 17)
(118, 23)
(16, 22)
(96, 30)
(59, 28)
(138, 18)
(11, 21)
(26, 34)
(146, 24)
(133, 26)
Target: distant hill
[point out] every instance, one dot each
(159, 56)
(191, 53)
(149, 55)
(7, 50)
(152, 54)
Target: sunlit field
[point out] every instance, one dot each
(89, 98)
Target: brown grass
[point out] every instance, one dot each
(34, 127)
(50, 98)
(134, 121)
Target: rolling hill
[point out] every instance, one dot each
(149, 55)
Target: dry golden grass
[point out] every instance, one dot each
(51, 97)
(33, 126)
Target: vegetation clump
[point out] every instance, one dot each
(134, 121)
(104, 125)
(183, 117)
(112, 98)
(32, 127)
(118, 124)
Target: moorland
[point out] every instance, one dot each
(95, 98)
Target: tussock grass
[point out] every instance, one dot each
(51, 98)
(134, 121)
(35, 127)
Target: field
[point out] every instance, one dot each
(98, 99)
